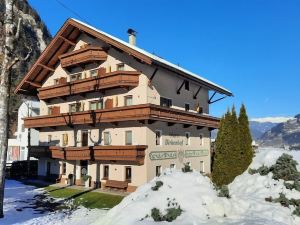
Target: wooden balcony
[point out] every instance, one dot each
(84, 55)
(140, 113)
(77, 153)
(116, 79)
(129, 154)
(120, 154)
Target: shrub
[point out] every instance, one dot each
(156, 215)
(85, 177)
(285, 168)
(171, 215)
(263, 170)
(297, 211)
(158, 184)
(187, 168)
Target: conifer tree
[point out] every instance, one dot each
(245, 139)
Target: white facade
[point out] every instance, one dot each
(17, 147)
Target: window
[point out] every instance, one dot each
(158, 171)
(64, 168)
(158, 137)
(187, 107)
(128, 100)
(93, 73)
(107, 139)
(165, 102)
(172, 166)
(65, 139)
(187, 85)
(202, 167)
(201, 139)
(96, 104)
(108, 69)
(128, 137)
(56, 81)
(76, 76)
(121, 66)
(50, 110)
(106, 172)
(187, 138)
(76, 107)
(128, 174)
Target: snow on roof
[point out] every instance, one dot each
(156, 58)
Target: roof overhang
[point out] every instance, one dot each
(66, 37)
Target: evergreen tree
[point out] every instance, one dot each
(245, 139)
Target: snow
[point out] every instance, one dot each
(18, 195)
(192, 191)
(272, 119)
(197, 197)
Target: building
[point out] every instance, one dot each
(115, 112)
(18, 146)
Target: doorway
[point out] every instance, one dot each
(84, 138)
(48, 169)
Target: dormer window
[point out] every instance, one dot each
(76, 76)
(120, 67)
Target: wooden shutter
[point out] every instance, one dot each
(109, 103)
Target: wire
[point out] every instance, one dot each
(72, 11)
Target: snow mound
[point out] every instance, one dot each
(196, 196)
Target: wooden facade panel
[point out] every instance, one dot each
(83, 55)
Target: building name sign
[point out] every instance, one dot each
(173, 142)
(161, 155)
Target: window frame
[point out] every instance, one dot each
(126, 132)
(104, 172)
(126, 178)
(121, 65)
(160, 138)
(169, 102)
(126, 97)
(91, 71)
(77, 75)
(109, 138)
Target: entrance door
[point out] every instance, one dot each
(48, 168)
(83, 170)
(84, 138)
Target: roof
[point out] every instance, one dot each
(71, 30)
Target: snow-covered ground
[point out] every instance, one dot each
(197, 197)
(193, 192)
(19, 199)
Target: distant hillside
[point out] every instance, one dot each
(284, 134)
(34, 35)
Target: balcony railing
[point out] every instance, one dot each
(127, 113)
(129, 154)
(81, 56)
(107, 81)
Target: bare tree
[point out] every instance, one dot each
(9, 60)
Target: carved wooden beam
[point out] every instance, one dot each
(67, 40)
(197, 92)
(46, 67)
(38, 85)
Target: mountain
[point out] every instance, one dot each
(34, 35)
(283, 134)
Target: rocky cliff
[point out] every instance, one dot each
(34, 35)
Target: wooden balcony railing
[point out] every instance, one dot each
(129, 154)
(125, 154)
(107, 81)
(81, 56)
(127, 113)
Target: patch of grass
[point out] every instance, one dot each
(87, 199)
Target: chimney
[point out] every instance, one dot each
(132, 36)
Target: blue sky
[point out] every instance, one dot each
(250, 47)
